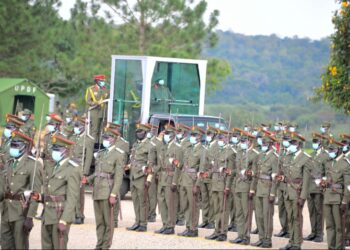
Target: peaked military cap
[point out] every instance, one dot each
(61, 141)
(197, 130)
(18, 136)
(182, 127)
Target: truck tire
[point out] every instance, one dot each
(124, 188)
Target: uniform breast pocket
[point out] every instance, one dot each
(20, 176)
(60, 180)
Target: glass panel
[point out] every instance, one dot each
(175, 88)
(127, 96)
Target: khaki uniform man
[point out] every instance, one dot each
(69, 118)
(336, 186)
(28, 128)
(210, 152)
(107, 180)
(19, 177)
(94, 97)
(142, 160)
(325, 130)
(183, 140)
(167, 162)
(315, 199)
(82, 154)
(264, 187)
(11, 125)
(190, 182)
(221, 176)
(296, 174)
(61, 192)
(245, 161)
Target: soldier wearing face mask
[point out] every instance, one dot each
(346, 151)
(315, 199)
(28, 128)
(209, 154)
(60, 194)
(296, 170)
(17, 177)
(160, 97)
(325, 130)
(69, 117)
(142, 162)
(53, 127)
(12, 125)
(81, 153)
(182, 140)
(336, 187)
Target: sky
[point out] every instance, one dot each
(285, 18)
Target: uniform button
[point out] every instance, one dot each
(10, 201)
(13, 175)
(49, 186)
(47, 203)
(11, 183)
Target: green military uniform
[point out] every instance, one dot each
(107, 181)
(337, 181)
(122, 146)
(189, 180)
(143, 155)
(315, 198)
(16, 177)
(245, 161)
(347, 156)
(296, 174)
(61, 192)
(264, 187)
(167, 197)
(221, 176)
(209, 154)
(93, 97)
(28, 128)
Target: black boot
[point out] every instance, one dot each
(169, 230)
(310, 237)
(222, 237)
(192, 233)
(141, 229)
(257, 244)
(180, 223)
(238, 240)
(282, 233)
(210, 226)
(160, 231)
(318, 239)
(133, 227)
(203, 225)
(79, 221)
(212, 236)
(183, 233)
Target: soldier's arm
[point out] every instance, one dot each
(36, 176)
(89, 154)
(254, 168)
(88, 98)
(152, 156)
(274, 172)
(72, 194)
(346, 196)
(118, 175)
(230, 166)
(306, 178)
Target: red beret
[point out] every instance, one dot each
(100, 77)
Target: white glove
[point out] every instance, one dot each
(273, 175)
(171, 160)
(317, 182)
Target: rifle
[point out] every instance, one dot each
(82, 187)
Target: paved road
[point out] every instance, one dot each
(84, 236)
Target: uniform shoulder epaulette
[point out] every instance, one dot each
(256, 151)
(120, 150)
(309, 156)
(73, 163)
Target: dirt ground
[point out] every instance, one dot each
(84, 236)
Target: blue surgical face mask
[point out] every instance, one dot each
(293, 148)
(161, 82)
(259, 141)
(292, 129)
(68, 120)
(323, 130)
(221, 143)
(167, 138)
(315, 146)
(332, 155)
(149, 135)
(102, 83)
(244, 146)
(345, 148)
(51, 128)
(57, 156)
(277, 128)
(208, 138)
(7, 133)
(264, 148)
(15, 153)
(106, 143)
(24, 118)
(179, 136)
(234, 140)
(286, 144)
(77, 130)
(255, 133)
(193, 140)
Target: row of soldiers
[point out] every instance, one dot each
(232, 172)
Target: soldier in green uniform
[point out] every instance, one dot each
(95, 97)
(210, 152)
(190, 182)
(81, 153)
(264, 187)
(325, 130)
(315, 199)
(28, 128)
(245, 161)
(169, 158)
(142, 160)
(122, 146)
(61, 192)
(234, 145)
(296, 174)
(20, 176)
(69, 118)
(183, 140)
(11, 125)
(284, 138)
(221, 176)
(107, 180)
(346, 151)
(336, 187)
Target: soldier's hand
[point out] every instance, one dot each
(84, 180)
(195, 190)
(28, 225)
(147, 184)
(272, 199)
(61, 228)
(176, 163)
(126, 167)
(251, 195)
(173, 188)
(323, 183)
(301, 202)
(249, 173)
(280, 178)
(226, 191)
(343, 207)
(35, 196)
(112, 200)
